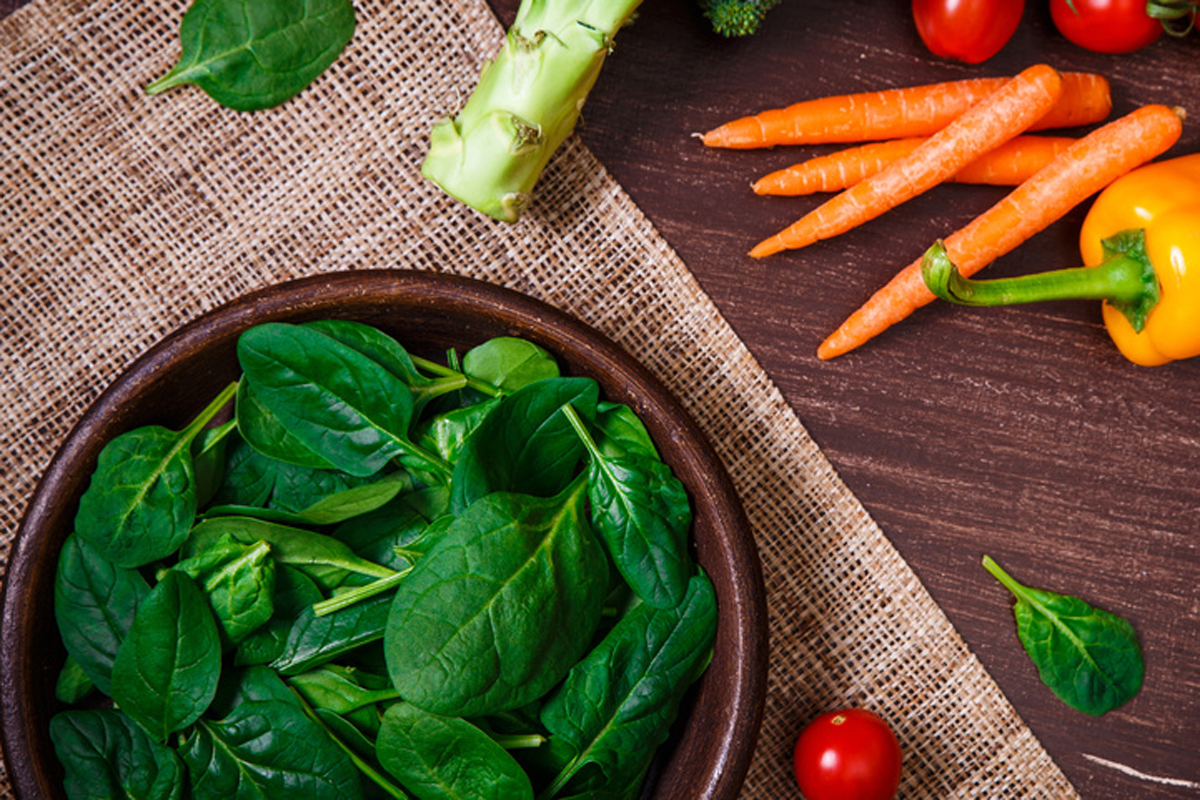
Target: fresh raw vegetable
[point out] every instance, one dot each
(967, 30)
(1105, 26)
(1178, 17)
(996, 119)
(1085, 168)
(1089, 658)
(249, 55)
(429, 571)
(491, 153)
(1137, 242)
(736, 17)
(1008, 165)
(847, 753)
(901, 113)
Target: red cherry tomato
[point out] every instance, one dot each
(848, 753)
(1105, 26)
(967, 30)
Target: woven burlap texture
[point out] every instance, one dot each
(125, 216)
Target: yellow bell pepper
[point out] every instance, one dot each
(1141, 249)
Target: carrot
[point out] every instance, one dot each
(1007, 165)
(1083, 169)
(990, 122)
(901, 113)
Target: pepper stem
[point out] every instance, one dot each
(1126, 279)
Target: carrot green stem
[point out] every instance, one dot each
(1126, 279)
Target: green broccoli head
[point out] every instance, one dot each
(736, 17)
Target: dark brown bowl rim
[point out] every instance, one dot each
(713, 761)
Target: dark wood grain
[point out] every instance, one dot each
(1016, 432)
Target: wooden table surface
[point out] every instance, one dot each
(1016, 432)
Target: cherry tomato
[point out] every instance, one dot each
(966, 30)
(1105, 26)
(848, 753)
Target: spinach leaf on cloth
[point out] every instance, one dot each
(250, 55)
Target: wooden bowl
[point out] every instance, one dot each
(711, 746)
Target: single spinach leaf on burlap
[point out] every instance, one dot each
(1089, 657)
(167, 669)
(500, 607)
(642, 514)
(94, 605)
(106, 754)
(617, 704)
(509, 363)
(249, 55)
(525, 444)
(141, 501)
(266, 747)
(413, 744)
(342, 405)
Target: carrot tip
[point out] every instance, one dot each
(768, 247)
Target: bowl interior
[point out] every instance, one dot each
(709, 751)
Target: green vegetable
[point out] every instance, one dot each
(1089, 658)
(413, 744)
(73, 684)
(106, 754)
(166, 671)
(642, 513)
(316, 640)
(491, 154)
(249, 54)
(142, 498)
(94, 606)
(267, 748)
(500, 608)
(342, 689)
(509, 363)
(526, 443)
(618, 703)
(239, 581)
(736, 17)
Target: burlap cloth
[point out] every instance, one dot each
(123, 216)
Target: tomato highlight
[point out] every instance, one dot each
(1105, 26)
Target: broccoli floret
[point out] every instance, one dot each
(736, 17)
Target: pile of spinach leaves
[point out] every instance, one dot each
(384, 576)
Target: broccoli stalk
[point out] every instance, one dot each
(736, 17)
(526, 103)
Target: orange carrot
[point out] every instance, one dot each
(992, 121)
(901, 113)
(1085, 168)
(1007, 165)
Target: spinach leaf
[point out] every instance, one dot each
(314, 553)
(617, 704)
(331, 509)
(390, 354)
(500, 607)
(248, 55)
(267, 747)
(446, 433)
(1090, 658)
(341, 689)
(343, 405)
(642, 513)
(73, 684)
(94, 605)
(393, 536)
(509, 363)
(294, 592)
(262, 430)
(313, 641)
(208, 459)
(239, 580)
(413, 745)
(166, 671)
(525, 444)
(620, 432)
(141, 501)
(105, 754)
